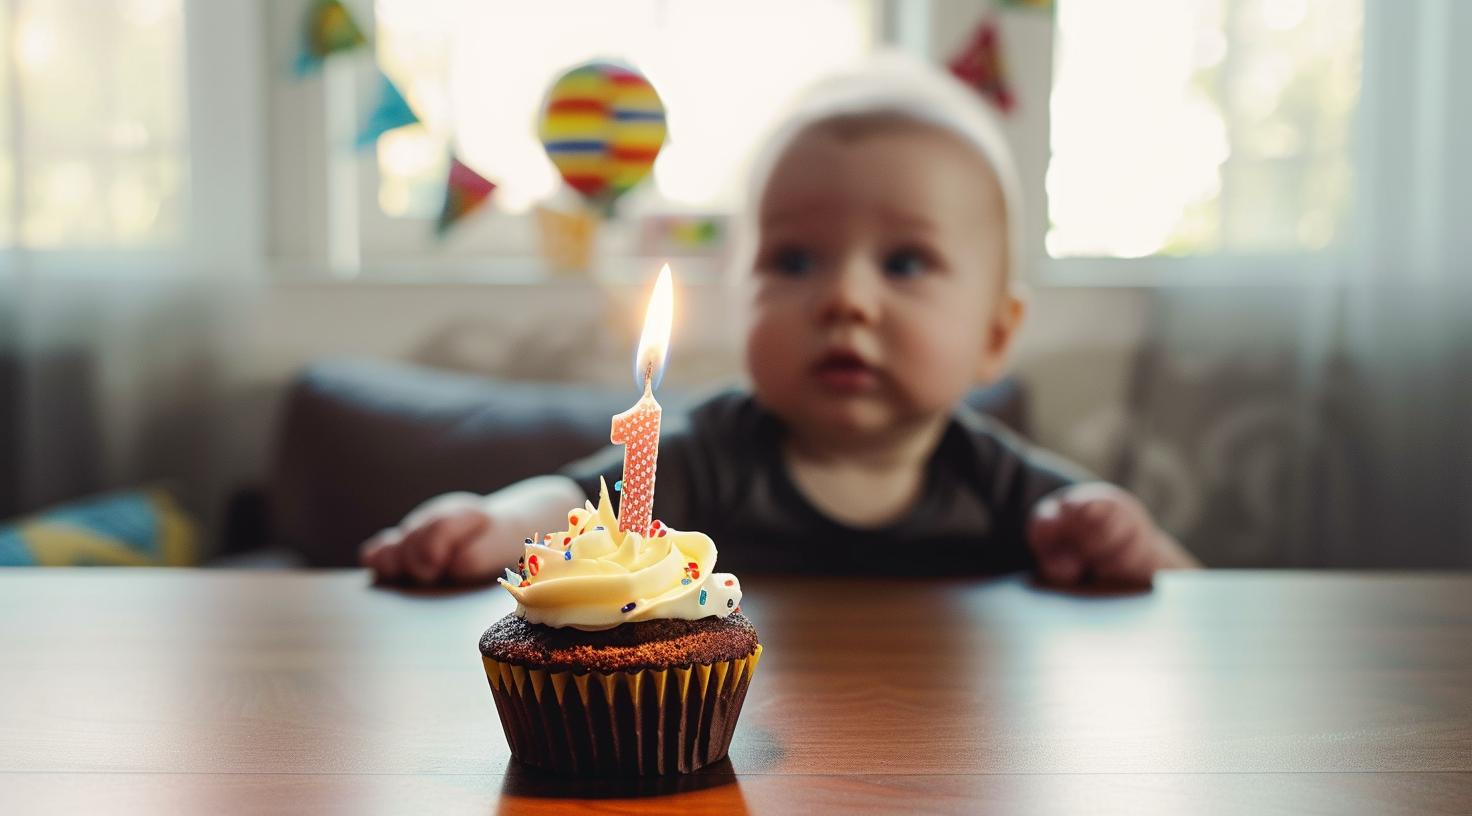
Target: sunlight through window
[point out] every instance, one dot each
(100, 122)
(1196, 126)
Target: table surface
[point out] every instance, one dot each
(1234, 692)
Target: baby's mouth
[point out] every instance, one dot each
(844, 371)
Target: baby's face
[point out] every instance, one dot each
(880, 297)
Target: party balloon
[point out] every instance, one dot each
(602, 126)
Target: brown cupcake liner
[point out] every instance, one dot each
(621, 723)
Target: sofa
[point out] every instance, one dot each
(359, 443)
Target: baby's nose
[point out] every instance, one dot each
(850, 296)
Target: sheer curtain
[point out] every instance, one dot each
(1398, 391)
(1325, 421)
(131, 245)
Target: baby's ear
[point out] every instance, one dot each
(1006, 320)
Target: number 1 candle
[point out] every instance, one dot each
(637, 429)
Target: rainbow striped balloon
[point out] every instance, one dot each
(602, 126)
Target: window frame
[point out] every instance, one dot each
(223, 151)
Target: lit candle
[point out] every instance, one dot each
(637, 429)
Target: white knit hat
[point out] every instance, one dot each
(893, 84)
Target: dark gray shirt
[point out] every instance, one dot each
(721, 472)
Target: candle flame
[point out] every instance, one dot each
(654, 342)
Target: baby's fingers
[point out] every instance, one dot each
(1045, 533)
(387, 562)
(383, 554)
(429, 549)
(1123, 547)
(1063, 568)
(1058, 560)
(1134, 567)
(1103, 530)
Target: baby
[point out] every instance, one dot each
(882, 256)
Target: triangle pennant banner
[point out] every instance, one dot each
(979, 64)
(392, 112)
(329, 29)
(465, 191)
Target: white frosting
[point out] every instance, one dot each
(668, 575)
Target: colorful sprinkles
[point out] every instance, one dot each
(618, 486)
(530, 565)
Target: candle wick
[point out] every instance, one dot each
(649, 378)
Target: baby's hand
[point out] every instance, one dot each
(447, 540)
(1098, 531)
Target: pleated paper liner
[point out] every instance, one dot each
(623, 723)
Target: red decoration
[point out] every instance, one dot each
(979, 64)
(465, 190)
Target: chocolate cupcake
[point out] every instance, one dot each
(626, 654)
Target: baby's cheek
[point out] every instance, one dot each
(939, 363)
(770, 357)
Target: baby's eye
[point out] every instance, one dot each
(790, 261)
(906, 263)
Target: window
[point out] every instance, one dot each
(475, 73)
(92, 152)
(1184, 127)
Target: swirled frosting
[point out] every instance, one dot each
(591, 576)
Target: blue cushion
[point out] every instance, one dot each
(137, 528)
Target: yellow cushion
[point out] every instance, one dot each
(133, 528)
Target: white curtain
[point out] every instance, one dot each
(115, 361)
(1327, 421)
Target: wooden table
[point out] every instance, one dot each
(1235, 692)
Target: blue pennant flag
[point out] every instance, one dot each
(393, 111)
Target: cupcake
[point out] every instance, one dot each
(626, 655)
